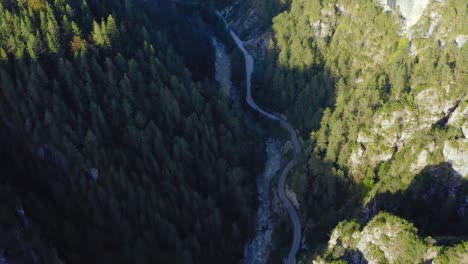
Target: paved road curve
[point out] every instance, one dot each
(291, 259)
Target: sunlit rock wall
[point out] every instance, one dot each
(411, 10)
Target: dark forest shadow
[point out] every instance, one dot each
(301, 93)
(326, 197)
(355, 257)
(436, 202)
(22, 180)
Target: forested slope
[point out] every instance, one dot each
(117, 146)
(384, 108)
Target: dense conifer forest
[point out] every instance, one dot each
(117, 145)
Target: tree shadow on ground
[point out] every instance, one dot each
(436, 202)
(328, 198)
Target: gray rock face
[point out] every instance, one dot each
(459, 117)
(411, 10)
(456, 151)
(394, 129)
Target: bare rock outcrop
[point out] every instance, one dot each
(411, 10)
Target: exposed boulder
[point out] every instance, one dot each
(461, 40)
(457, 156)
(94, 173)
(420, 162)
(292, 197)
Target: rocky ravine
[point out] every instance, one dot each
(297, 228)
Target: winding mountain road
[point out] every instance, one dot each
(293, 215)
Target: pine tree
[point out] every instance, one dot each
(52, 31)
